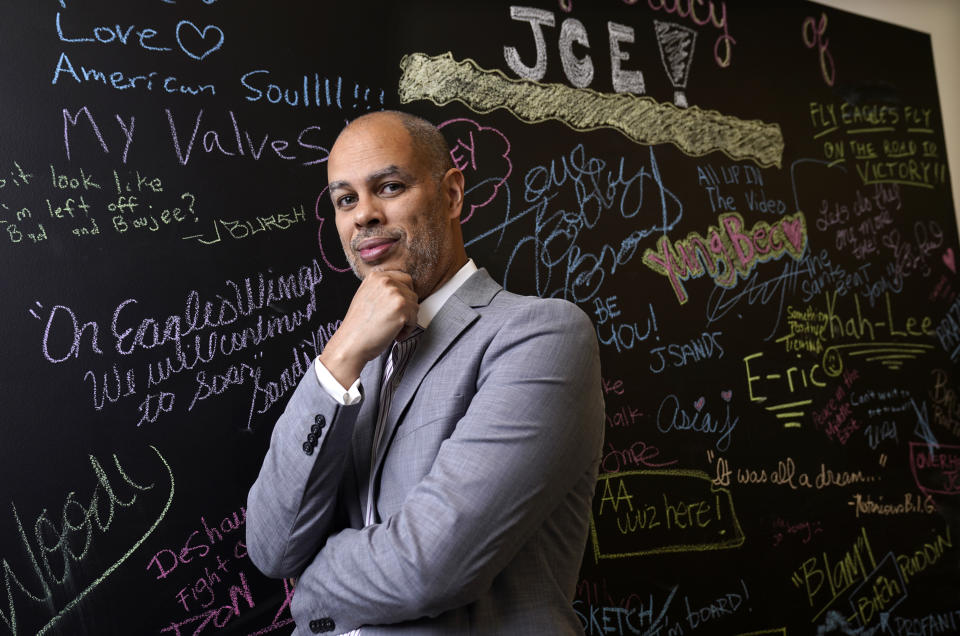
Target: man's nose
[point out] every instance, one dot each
(369, 211)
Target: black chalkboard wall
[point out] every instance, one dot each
(753, 203)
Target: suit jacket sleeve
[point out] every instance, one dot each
(531, 431)
(292, 505)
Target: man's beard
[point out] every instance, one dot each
(422, 251)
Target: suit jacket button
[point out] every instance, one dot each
(308, 448)
(312, 438)
(320, 421)
(315, 429)
(324, 624)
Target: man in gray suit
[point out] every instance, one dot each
(433, 471)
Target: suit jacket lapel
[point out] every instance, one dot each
(456, 315)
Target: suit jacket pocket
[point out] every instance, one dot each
(430, 410)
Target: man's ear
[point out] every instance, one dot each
(451, 187)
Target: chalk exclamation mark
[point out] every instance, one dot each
(653, 316)
(676, 43)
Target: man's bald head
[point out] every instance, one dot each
(427, 141)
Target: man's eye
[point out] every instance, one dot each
(346, 200)
(391, 187)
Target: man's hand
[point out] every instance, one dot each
(384, 305)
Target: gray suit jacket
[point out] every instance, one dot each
(483, 493)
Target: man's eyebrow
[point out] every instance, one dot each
(388, 171)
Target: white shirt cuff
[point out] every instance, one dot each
(346, 397)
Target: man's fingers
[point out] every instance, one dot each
(397, 275)
(387, 295)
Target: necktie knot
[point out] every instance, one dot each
(407, 332)
(402, 350)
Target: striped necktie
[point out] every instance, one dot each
(400, 355)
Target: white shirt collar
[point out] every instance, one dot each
(432, 303)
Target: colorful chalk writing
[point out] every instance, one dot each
(562, 268)
(728, 253)
(211, 569)
(814, 36)
(936, 468)
(785, 473)
(194, 342)
(907, 504)
(441, 79)
(712, 15)
(219, 135)
(643, 512)
(672, 417)
(482, 153)
(885, 143)
(309, 93)
(840, 571)
(752, 206)
(112, 498)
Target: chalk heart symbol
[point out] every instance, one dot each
(949, 260)
(794, 231)
(726, 395)
(699, 403)
(212, 43)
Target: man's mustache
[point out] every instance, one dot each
(397, 235)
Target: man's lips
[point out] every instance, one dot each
(373, 249)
